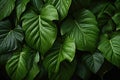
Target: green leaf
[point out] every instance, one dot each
(61, 5)
(17, 65)
(40, 31)
(35, 69)
(37, 4)
(21, 7)
(110, 49)
(116, 18)
(93, 61)
(105, 14)
(9, 39)
(83, 28)
(6, 7)
(65, 51)
(105, 17)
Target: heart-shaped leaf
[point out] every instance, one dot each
(17, 65)
(110, 48)
(40, 31)
(9, 39)
(83, 28)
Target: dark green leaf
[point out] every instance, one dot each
(117, 4)
(9, 39)
(108, 9)
(37, 4)
(93, 61)
(6, 7)
(21, 7)
(109, 26)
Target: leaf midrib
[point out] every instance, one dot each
(80, 28)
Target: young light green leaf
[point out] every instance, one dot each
(65, 51)
(83, 28)
(6, 7)
(40, 31)
(21, 7)
(61, 5)
(9, 39)
(110, 49)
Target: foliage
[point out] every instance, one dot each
(59, 39)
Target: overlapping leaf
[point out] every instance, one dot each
(40, 31)
(23, 64)
(34, 68)
(105, 17)
(21, 7)
(9, 39)
(116, 18)
(83, 28)
(66, 51)
(110, 48)
(17, 65)
(6, 7)
(37, 4)
(93, 61)
(62, 6)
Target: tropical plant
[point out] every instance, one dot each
(59, 39)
